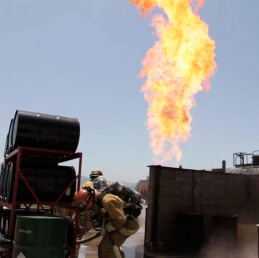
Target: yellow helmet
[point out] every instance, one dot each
(95, 173)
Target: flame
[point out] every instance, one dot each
(176, 68)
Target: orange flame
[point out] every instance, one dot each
(177, 67)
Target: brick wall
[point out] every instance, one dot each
(143, 188)
(175, 191)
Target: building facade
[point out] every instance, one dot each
(143, 188)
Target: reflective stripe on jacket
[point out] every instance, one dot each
(114, 207)
(130, 227)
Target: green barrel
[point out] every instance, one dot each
(40, 237)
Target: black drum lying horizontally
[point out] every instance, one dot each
(8, 141)
(44, 131)
(47, 183)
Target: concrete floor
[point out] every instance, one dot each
(133, 247)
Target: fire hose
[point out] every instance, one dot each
(88, 239)
(81, 226)
(115, 247)
(96, 235)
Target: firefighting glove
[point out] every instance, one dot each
(132, 210)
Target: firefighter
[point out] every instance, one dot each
(88, 219)
(91, 215)
(94, 174)
(119, 223)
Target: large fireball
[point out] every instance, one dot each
(176, 68)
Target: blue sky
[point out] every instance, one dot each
(81, 59)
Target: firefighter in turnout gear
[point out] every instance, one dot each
(88, 220)
(94, 174)
(120, 218)
(88, 217)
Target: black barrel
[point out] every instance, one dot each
(6, 146)
(9, 181)
(1, 181)
(45, 131)
(47, 183)
(10, 135)
(4, 184)
(8, 142)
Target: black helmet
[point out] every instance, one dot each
(95, 173)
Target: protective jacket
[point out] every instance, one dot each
(87, 183)
(118, 227)
(113, 205)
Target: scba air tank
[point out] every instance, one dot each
(127, 193)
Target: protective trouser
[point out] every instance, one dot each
(105, 248)
(85, 225)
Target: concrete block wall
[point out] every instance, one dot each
(174, 191)
(143, 188)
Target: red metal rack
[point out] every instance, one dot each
(41, 155)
